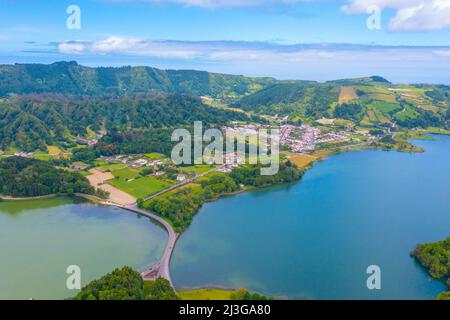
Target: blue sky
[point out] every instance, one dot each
(288, 39)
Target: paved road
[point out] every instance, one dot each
(164, 264)
(164, 270)
(182, 183)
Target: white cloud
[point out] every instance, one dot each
(71, 47)
(187, 50)
(127, 46)
(300, 61)
(308, 54)
(411, 15)
(442, 53)
(244, 54)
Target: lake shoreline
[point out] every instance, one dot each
(97, 201)
(89, 197)
(327, 153)
(44, 236)
(192, 285)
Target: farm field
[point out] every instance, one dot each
(407, 113)
(141, 187)
(112, 167)
(154, 156)
(347, 94)
(126, 173)
(385, 107)
(54, 151)
(198, 169)
(300, 160)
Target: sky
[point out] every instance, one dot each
(406, 41)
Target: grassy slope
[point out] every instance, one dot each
(206, 294)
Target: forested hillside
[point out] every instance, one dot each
(435, 258)
(72, 78)
(33, 121)
(126, 284)
(20, 177)
(309, 98)
(138, 106)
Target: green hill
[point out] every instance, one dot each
(72, 78)
(20, 177)
(368, 102)
(373, 80)
(310, 99)
(52, 104)
(33, 121)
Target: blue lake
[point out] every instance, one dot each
(316, 238)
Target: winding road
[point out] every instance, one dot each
(187, 181)
(161, 269)
(164, 264)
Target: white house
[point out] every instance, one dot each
(141, 162)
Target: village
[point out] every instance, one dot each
(128, 177)
(306, 138)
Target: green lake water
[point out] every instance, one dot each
(316, 238)
(39, 239)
